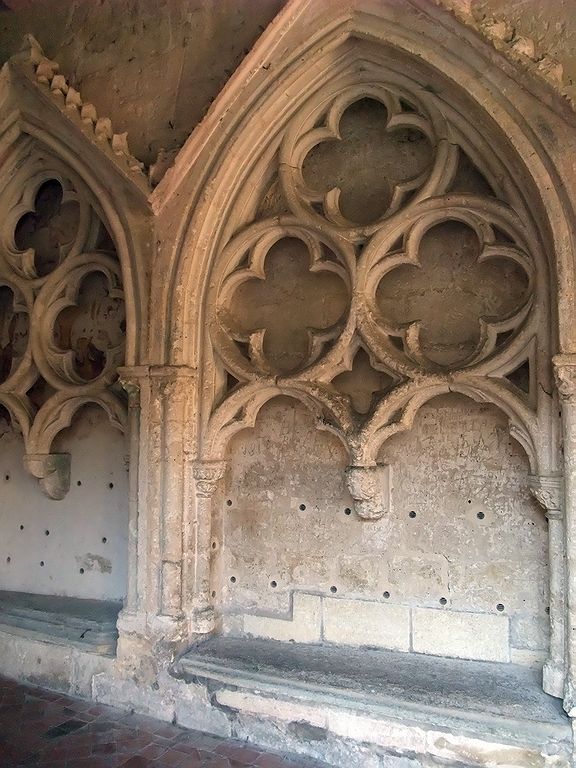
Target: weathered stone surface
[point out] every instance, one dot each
(362, 258)
(461, 635)
(353, 622)
(305, 626)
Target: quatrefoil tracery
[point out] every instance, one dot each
(442, 284)
(50, 222)
(416, 158)
(256, 266)
(61, 310)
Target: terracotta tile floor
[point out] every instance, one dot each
(42, 728)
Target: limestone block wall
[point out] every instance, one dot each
(76, 546)
(457, 568)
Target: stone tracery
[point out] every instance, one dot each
(62, 312)
(222, 369)
(429, 243)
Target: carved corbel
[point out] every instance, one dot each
(370, 489)
(207, 475)
(548, 492)
(130, 380)
(52, 470)
(565, 374)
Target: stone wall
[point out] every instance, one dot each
(457, 568)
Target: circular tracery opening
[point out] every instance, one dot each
(50, 229)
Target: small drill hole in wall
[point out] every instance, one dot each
(233, 579)
(21, 527)
(273, 584)
(104, 539)
(480, 515)
(213, 545)
(110, 485)
(443, 601)
(500, 607)
(6, 477)
(347, 511)
(302, 507)
(46, 532)
(81, 570)
(228, 502)
(412, 514)
(78, 482)
(547, 609)
(213, 593)
(386, 594)
(333, 590)
(469, 501)
(8, 559)
(41, 563)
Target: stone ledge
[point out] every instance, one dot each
(88, 625)
(398, 701)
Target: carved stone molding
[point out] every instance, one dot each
(53, 472)
(370, 489)
(207, 475)
(548, 491)
(565, 374)
(444, 225)
(63, 321)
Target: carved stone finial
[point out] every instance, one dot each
(370, 489)
(565, 373)
(52, 470)
(207, 475)
(547, 490)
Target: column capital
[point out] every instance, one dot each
(207, 474)
(130, 378)
(548, 492)
(565, 375)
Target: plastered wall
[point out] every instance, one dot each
(458, 567)
(76, 546)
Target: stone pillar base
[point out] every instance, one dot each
(148, 644)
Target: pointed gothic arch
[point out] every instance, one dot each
(238, 187)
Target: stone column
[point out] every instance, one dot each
(207, 475)
(565, 371)
(130, 382)
(153, 626)
(548, 491)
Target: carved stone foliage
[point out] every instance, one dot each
(388, 261)
(62, 320)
